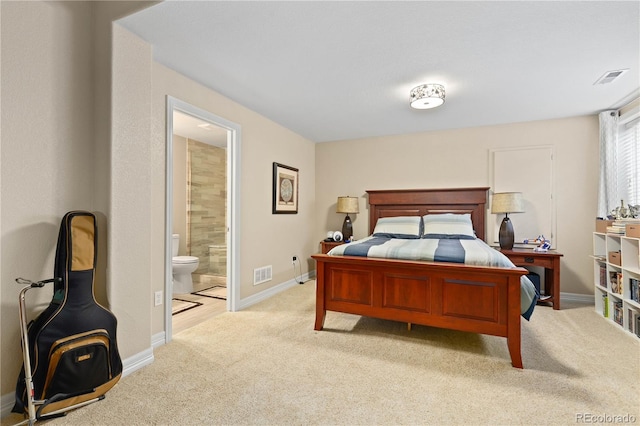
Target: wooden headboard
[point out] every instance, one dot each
(419, 202)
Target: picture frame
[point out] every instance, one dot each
(285, 189)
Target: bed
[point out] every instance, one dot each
(472, 298)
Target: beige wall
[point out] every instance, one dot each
(56, 155)
(265, 239)
(47, 148)
(129, 243)
(459, 158)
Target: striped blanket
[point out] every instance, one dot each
(466, 251)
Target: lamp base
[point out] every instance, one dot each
(505, 236)
(347, 229)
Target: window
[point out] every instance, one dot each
(619, 158)
(629, 158)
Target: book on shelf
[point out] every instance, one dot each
(617, 312)
(619, 226)
(615, 279)
(618, 230)
(605, 305)
(603, 276)
(633, 289)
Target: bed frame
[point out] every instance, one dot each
(454, 296)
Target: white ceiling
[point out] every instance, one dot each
(342, 70)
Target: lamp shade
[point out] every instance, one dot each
(507, 202)
(347, 205)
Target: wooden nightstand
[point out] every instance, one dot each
(328, 245)
(550, 261)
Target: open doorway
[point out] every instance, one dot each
(201, 214)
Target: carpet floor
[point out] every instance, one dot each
(267, 366)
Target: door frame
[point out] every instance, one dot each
(233, 203)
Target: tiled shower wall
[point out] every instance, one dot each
(206, 203)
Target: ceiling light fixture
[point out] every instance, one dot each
(427, 96)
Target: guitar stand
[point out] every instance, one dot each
(35, 406)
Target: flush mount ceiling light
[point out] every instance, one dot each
(427, 96)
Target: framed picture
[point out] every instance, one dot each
(285, 189)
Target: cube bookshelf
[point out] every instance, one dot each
(617, 296)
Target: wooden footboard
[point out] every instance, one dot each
(459, 297)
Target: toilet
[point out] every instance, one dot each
(182, 268)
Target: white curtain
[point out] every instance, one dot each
(629, 157)
(608, 188)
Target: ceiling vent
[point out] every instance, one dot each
(609, 76)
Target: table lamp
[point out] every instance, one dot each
(507, 202)
(347, 205)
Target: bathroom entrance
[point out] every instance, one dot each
(201, 162)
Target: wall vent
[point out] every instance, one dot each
(609, 76)
(261, 275)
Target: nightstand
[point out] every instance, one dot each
(550, 261)
(328, 245)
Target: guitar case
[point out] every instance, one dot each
(72, 344)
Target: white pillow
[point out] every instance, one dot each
(409, 227)
(448, 225)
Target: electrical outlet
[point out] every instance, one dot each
(294, 259)
(158, 298)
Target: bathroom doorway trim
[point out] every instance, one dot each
(233, 203)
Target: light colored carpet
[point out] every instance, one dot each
(267, 366)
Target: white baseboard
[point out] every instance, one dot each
(6, 402)
(587, 299)
(264, 295)
(137, 361)
(158, 339)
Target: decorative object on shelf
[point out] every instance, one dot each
(427, 96)
(541, 243)
(507, 202)
(285, 189)
(622, 212)
(347, 205)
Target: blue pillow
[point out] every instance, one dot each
(407, 227)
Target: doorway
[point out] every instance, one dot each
(219, 255)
